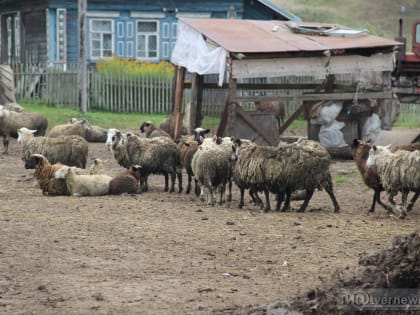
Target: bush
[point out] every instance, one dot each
(119, 66)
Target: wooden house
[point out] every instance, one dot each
(46, 31)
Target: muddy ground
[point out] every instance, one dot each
(161, 253)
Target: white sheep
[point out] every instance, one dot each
(398, 172)
(84, 185)
(11, 121)
(69, 150)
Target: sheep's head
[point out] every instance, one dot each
(62, 172)
(147, 127)
(36, 161)
(373, 155)
(199, 133)
(24, 134)
(112, 138)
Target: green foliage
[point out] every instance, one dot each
(341, 180)
(127, 67)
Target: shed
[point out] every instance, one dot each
(270, 49)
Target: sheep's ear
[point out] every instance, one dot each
(206, 131)
(374, 148)
(369, 140)
(186, 144)
(32, 130)
(232, 139)
(238, 142)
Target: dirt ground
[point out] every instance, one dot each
(161, 253)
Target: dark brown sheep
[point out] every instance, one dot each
(125, 182)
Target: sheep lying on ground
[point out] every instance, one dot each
(83, 185)
(277, 108)
(302, 165)
(94, 133)
(79, 128)
(158, 155)
(44, 174)
(398, 172)
(125, 182)
(69, 150)
(11, 121)
(360, 150)
(149, 129)
(212, 168)
(14, 107)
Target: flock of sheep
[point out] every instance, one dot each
(215, 163)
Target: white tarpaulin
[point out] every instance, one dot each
(192, 52)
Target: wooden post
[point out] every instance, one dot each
(387, 104)
(199, 110)
(82, 65)
(179, 91)
(193, 104)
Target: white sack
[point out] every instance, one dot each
(330, 135)
(371, 128)
(327, 114)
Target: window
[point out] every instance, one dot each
(101, 38)
(147, 40)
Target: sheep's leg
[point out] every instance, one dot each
(376, 195)
(179, 176)
(210, 196)
(412, 202)
(166, 181)
(197, 188)
(229, 196)
(189, 184)
(241, 201)
(329, 189)
(173, 179)
(287, 201)
(385, 206)
(267, 201)
(6, 145)
(222, 188)
(255, 198)
(309, 194)
(280, 198)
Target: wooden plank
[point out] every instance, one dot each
(178, 101)
(319, 67)
(320, 96)
(251, 123)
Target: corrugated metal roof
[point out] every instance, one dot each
(252, 36)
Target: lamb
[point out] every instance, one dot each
(360, 151)
(44, 174)
(69, 150)
(151, 131)
(11, 121)
(212, 168)
(78, 127)
(398, 172)
(302, 165)
(277, 108)
(83, 185)
(158, 155)
(125, 182)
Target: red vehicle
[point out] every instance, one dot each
(406, 77)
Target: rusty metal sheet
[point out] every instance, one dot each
(398, 136)
(252, 36)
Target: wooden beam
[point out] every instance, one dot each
(82, 64)
(291, 119)
(321, 96)
(199, 112)
(311, 66)
(193, 103)
(178, 102)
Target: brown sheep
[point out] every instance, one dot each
(360, 151)
(44, 174)
(276, 108)
(187, 150)
(125, 182)
(151, 131)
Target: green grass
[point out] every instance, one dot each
(341, 180)
(59, 115)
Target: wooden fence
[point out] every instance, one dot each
(57, 85)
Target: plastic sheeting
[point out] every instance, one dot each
(192, 52)
(371, 128)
